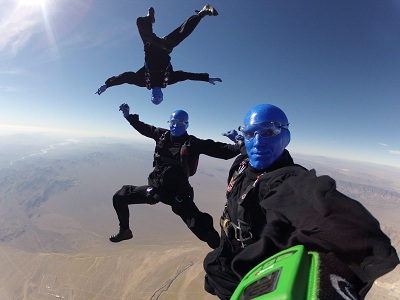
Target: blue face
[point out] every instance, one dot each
(178, 122)
(266, 135)
(177, 127)
(262, 151)
(157, 95)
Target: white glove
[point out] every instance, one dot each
(125, 109)
(101, 90)
(213, 80)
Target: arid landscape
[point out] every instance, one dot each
(56, 216)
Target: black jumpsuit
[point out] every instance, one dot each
(157, 58)
(168, 182)
(286, 205)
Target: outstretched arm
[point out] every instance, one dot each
(178, 76)
(216, 149)
(141, 127)
(127, 77)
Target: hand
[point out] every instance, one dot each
(239, 137)
(213, 80)
(101, 90)
(125, 109)
(231, 134)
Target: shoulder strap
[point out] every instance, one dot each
(244, 226)
(242, 167)
(189, 166)
(147, 77)
(271, 176)
(166, 77)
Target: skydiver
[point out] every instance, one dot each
(274, 204)
(175, 159)
(157, 71)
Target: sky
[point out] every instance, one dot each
(332, 66)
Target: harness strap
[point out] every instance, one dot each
(148, 77)
(236, 174)
(188, 168)
(238, 232)
(241, 230)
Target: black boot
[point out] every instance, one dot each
(123, 234)
(151, 15)
(207, 10)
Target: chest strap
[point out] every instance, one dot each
(239, 232)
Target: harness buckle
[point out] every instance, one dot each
(239, 234)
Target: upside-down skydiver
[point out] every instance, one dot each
(157, 71)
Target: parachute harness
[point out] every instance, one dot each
(148, 77)
(240, 231)
(189, 167)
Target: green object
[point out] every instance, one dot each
(291, 274)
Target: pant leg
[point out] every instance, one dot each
(200, 223)
(129, 194)
(179, 34)
(145, 28)
(220, 280)
(202, 226)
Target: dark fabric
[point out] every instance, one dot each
(157, 49)
(172, 177)
(291, 206)
(128, 194)
(336, 280)
(157, 78)
(169, 181)
(200, 223)
(157, 58)
(220, 280)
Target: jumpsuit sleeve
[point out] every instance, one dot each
(216, 149)
(178, 76)
(145, 129)
(326, 220)
(127, 77)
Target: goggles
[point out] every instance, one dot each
(265, 129)
(177, 122)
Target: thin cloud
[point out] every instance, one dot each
(12, 71)
(383, 144)
(17, 26)
(394, 152)
(8, 89)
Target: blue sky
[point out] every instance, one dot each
(332, 66)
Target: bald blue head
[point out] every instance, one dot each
(156, 95)
(266, 134)
(178, 122)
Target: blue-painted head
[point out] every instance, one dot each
(266, 134)
(156, 95)
(178, 122)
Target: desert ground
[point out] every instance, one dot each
(56, 216)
